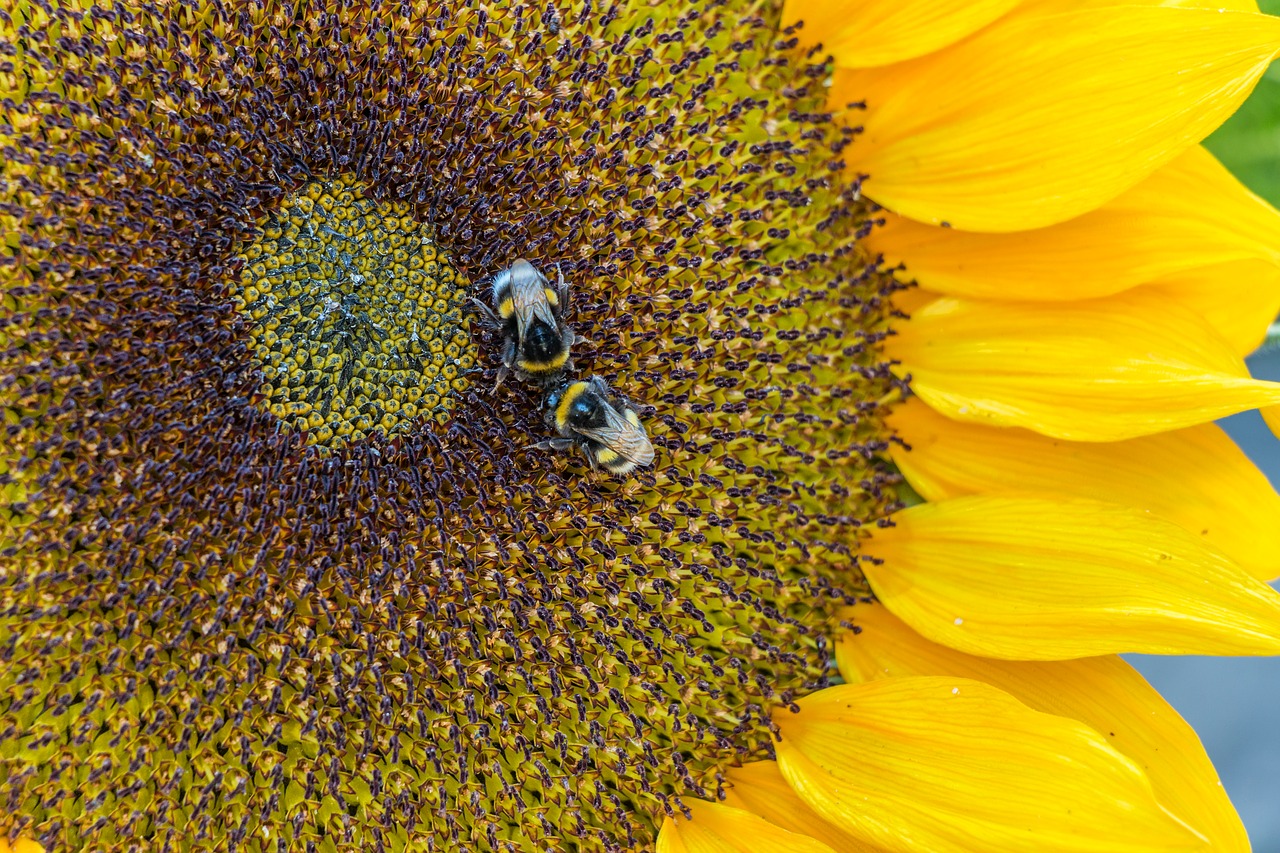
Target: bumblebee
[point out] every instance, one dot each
(600, 423)
(528, 310)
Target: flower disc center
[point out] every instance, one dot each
(355, 318)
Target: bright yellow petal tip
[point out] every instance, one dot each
(1239, 299)
(1098, 370)
(1028, 578)
(722, 829)
(1104, 693)
(951, 765)
(1195, 477)
(878, 32)
(1271, 415)
(1043, 116)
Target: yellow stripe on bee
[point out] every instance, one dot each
(506, 308)
(571, 394)
(607, 455)
(552, 297)
(554, 363)
(632, 417)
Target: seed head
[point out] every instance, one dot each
(220, 632)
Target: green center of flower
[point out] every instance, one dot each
(356, 319)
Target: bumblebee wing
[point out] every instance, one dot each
(622, 435)
(529, 300)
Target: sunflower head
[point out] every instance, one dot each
(278, 576)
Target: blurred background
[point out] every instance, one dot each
(1234, 703)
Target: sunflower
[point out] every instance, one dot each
(282, 571)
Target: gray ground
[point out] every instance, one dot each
(1234, 703)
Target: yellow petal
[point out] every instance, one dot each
(760, 789)
(909, 300)
(1043, 116)
(1189, 214)
(1271, 414)
(1195, 477)
(1104, 693)
(722, 829)
(877, 32)
(1239, 299)
(1028, 578)
(948, 764)
(1070, 5)
(1099, 370)
(22, 845)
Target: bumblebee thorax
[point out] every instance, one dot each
(574, 404)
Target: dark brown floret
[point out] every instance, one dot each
(213, 637)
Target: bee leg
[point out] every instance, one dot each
(562, 289)
(508, 359)
(487, 317)
(568, 339)
(557, 444)
(579, 339)
(503, 373)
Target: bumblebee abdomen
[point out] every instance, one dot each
(610, 459)
(543, 348)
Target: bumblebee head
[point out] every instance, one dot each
(555, 393)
